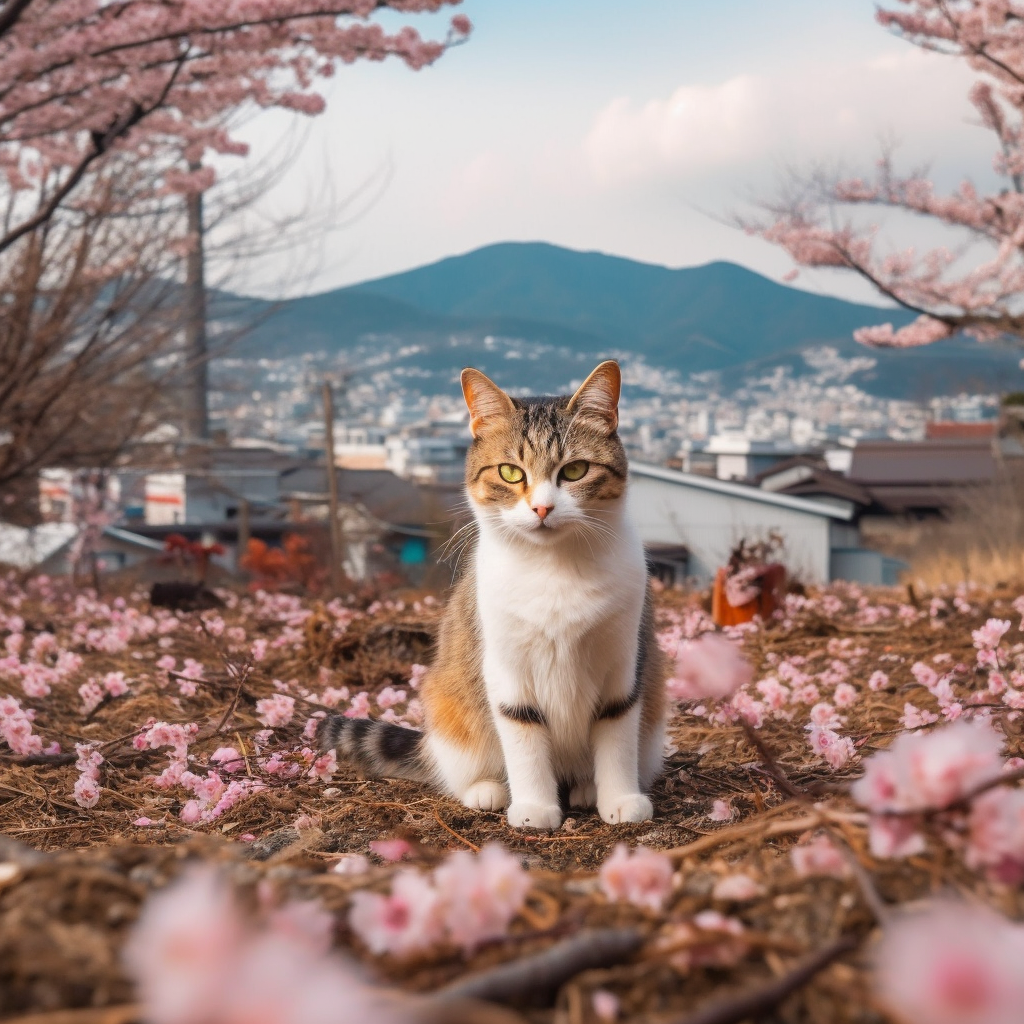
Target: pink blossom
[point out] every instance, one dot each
(228, 758)
(914, 717)
(275, 711)
(406, 920)
(996, 838)
(480, 894)
(709, 667)
(722, 810)
(324, 767)
(824, 717)
(391, 849)
(92, 695)
(418, 674)
(166, 663)
(351, 864)
(819, 857)
(642, 877)
(835, 749)
(389, 697)
(739, 888)
(844, 695)
(878, 681)
(114, 683)
(890, 837)
(142, 822)
(806, 693)
(929, 770)
(259, 649)
(951, 964)
(925, 675)
(360, 706)
(989, 636)
(606, 1005)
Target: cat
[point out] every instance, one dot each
(547, 674)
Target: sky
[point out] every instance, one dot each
(638, 129)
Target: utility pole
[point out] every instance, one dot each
(197, 425)
(332, 487)
(242, 544)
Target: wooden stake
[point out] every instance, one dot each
(332, 488)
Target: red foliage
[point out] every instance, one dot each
(287, 566)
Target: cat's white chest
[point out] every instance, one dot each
(548, 593)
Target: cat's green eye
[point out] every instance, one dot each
(575, 470)
(510, 474)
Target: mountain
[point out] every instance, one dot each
(718, 317)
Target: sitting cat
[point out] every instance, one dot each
(546, 670)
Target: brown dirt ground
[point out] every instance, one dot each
(66, 910)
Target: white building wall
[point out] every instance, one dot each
(710, 524)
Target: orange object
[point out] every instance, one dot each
(772, 581)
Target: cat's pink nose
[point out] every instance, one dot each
(542, 511)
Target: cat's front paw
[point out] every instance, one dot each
(548, 816)
(486, 795)
(631, 807)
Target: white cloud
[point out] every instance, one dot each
(811, 112)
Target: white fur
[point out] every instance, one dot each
(560, 603)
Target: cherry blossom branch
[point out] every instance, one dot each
(100, 145)
(964, 802)
(11, 13)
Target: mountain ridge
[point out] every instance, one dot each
(718, 316)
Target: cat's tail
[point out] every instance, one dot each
(380, 749)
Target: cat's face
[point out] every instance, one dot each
(542, 469)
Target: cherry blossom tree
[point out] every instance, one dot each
(951, 293)
(81, 79)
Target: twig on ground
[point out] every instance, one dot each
(871, 896)
(758, 1002)
(771, 765)
(536, 979)
(243, 675)
(767, 830)
(448, 828)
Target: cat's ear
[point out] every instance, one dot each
(598, 395)
(486, 401)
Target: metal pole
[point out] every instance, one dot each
(332, 487)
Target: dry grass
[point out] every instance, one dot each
(65, 916)
(981, 542)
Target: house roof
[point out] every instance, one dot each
(807, 476)
(908, 463)
(387, 497)
(742, 491)
(26, 547)
(948, 430)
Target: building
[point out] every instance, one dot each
(47, 548)
(706, 518)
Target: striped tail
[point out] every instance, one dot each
(379, 749)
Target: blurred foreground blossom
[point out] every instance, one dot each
(468, 900)
(929, 771)
(955, 963)
(709, 667)
(819, 857)
(641, 876)
(197, 958)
